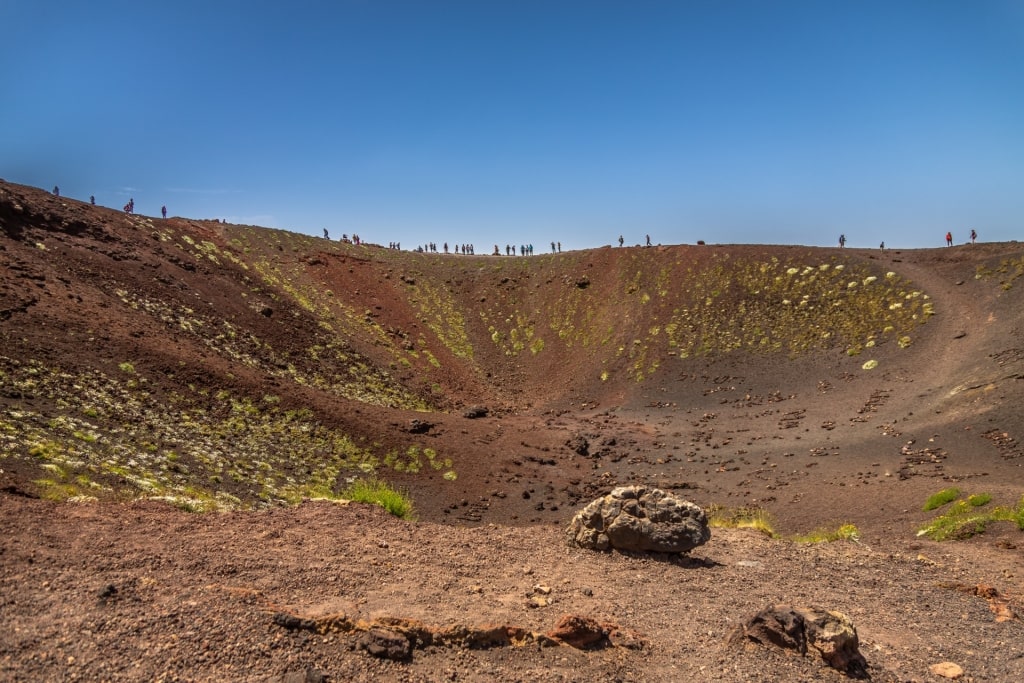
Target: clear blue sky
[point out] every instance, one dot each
(731, 121)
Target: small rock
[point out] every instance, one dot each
(947, 670)
(310, 675)
(420, 426)
(541, 589)
(386, 644)
(537, 601)
(294, 623)
(580, 632)
(579, 444)
(474, 412)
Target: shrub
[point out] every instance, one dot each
(979, 499)
(845, 532)
(963, 519)
(939, 499)
(1017, 514)
(379, 492)
(741, 518)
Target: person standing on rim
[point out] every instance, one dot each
(163, 210)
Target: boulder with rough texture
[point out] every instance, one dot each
(639, 518)
(830, 634)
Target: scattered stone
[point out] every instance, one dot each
(107, 595)
(420, 426)
(579, 632)
(386, 644)
(947, 670)
(474, 412)
(639, 518)
(536, 601)
(999, 604)
(579, 444)
(831, 634)
(294, 623)
(310, 675)
(541, 589)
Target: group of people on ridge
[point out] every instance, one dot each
(129, 208)
(949, 237)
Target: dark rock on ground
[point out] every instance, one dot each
(808, 629)
(474, 412)
(386, 644)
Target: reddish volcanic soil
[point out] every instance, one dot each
(120, 589)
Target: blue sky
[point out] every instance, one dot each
(731, 121)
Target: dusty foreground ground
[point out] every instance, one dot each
(146, 592)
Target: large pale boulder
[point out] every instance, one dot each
(639, 518)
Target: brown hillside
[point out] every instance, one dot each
(237, 368)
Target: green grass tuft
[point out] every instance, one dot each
(939, 499)
(964, 518)
(979, 499)
(845, 532)
(379, 492)
(741, 518)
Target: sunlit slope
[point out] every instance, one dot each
(226, 363)
(506, 324)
